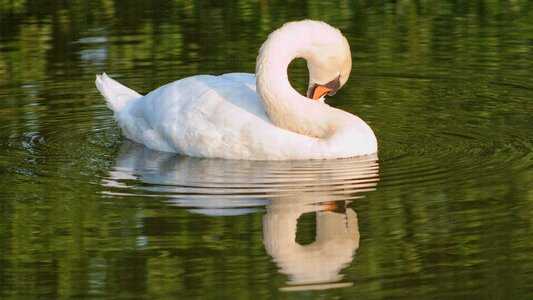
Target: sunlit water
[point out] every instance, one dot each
(444, 210)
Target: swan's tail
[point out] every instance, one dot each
(116, 95)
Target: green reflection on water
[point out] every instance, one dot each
(446, 85)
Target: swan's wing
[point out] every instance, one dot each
(209, 116)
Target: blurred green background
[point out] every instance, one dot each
(446, 85)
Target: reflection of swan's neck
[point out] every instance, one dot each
(284, 105)
(337, 237)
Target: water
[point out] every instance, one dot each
(444, 211)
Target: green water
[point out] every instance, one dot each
(445, 211)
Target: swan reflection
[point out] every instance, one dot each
(287, 189)
(316, 265)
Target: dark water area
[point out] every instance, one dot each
(443, 211)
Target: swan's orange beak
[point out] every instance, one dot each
(330, 206)
(318, 92)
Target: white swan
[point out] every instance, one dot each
(242, 116)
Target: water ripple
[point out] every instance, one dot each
(188, 181)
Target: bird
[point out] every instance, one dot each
(248, 116)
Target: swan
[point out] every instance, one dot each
(252, 117)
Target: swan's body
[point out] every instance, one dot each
(242, 116)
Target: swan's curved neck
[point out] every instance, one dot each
(284, 105)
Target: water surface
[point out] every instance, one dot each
(444, 210)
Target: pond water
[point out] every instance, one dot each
(444, 210)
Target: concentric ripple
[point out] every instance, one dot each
(443, 156)
(50, 140)
(453, 137)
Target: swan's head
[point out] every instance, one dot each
(329, 60)
(325, 49)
